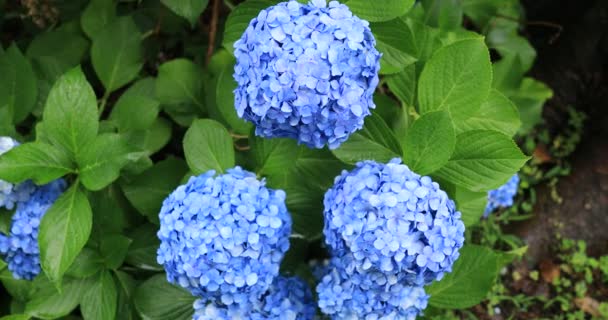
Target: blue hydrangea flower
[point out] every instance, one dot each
(306, 72)
(11, 194)
(20, 248)
(503, 196)
(286, 299)
(391, 219)
(345, 293)
(223, 238)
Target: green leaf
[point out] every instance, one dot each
(101, 161)
(208, 146)
(225, 101)
(394, 40)
(37, 161)
(470, 204)
(273, 156)
(48, 303)
(117, 54)
(515, 46)
(403, 84)
(497, 113)
(147, 191)
(114, 248)
(444, 14)
(64, 231)
(180, 83)
(189, 9)
(156, 299)
(471, 279)
(142, 252)
(135, 112)
(429, 142)
(70, 114)
(370, 11)
(426, 39)
(374, 142)
(457, 79)
(97, 15)
(483, 160)
(16, 317)
(87, 263)
(530, 99)
(239, 18)
(99, 302)
(152, 139)
(507, 75)
(18, 86)
(20, 290)
(126, 288)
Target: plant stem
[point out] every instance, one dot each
(229, 4)
(213, 29)
(103, 102)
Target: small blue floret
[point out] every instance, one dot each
(306, 71)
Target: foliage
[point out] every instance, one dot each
(121, 101)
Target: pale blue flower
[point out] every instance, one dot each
(387, 218)
(223, 238)
(306, 72)
(502, 197)
(286, 299)
(10, 194)
(20, 248)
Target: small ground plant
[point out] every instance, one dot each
(261, 160)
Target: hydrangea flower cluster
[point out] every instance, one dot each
(503, 196)
(286, 299)
(11, 194)
(306, 71)
(390, 232)
(20, 248)
(345, 293)
(392, 219)
(223, 238)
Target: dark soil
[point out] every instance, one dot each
(575, 66)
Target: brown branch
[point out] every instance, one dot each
(547, 24)
(213, 29)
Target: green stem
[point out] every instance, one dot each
(229, 4)
(103, 102)
(148, 33)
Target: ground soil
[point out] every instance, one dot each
(573, 61)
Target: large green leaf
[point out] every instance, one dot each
(471, 279)
(101, 161)
(444, 14)
(470, 204)
(224, 97)
(374, 142)
(530, 99)
(97, 15)
(403, 84)
(114, 248)
(429, 142)
(374, 12)
(87, 263)
(497, 113)
(142, 252)
(70, 115)
(179, 87)
(515, 46)
(18, 87)
(156, 299)
(135, 112)
(394, 40)
(48, 303)
(483, 160)
(16, 317)
(116, 53)
(64, 231)
(457, 78)
(37, 161)
(208, 146)
(147, 191)
(239, 19)
(99, 302)
(189, 9)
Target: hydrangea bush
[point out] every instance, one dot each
(176, 164)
